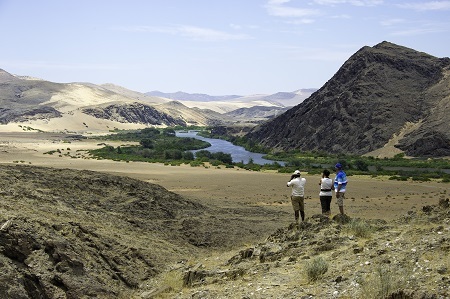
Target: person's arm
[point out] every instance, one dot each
(289, 183)
(338, 189)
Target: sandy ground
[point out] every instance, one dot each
(366, 197)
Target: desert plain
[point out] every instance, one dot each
(367, 197)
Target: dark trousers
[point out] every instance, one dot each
(325, 202)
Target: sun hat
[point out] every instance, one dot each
(338, 166)
(297, 172)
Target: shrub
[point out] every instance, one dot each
(379, 284)
(150, 132)
(203, 154)
(173, 154)
(359, 228)
(147, 153)
(147, 143)
(223, 157)
(188, 156)
(215, 162)
(361, 165)
(398, 178)
(316, 268)
(196, 163)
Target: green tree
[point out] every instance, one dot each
(361, 165)
(223, 157)
(203, 154)
(173, 154)
(188, 156)
(146, 143)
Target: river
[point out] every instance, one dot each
(238, 153)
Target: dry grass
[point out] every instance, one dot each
(316, 268)
(379, 284)
(359, 228)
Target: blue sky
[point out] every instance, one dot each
(209, 46)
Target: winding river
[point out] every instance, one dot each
(238, 153)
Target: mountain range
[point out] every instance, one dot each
(384, 100)
(83, 107)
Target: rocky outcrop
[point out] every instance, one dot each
(372, 96)
(133, 113)
(362, 259)
(22, 115)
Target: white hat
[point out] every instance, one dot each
(297, 172)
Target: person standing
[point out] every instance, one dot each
(340, 184)
(298, 195)
(325, 195)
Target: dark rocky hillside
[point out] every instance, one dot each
(374, 95)
(133, 113)
(82, 234)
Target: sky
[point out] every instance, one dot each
(217, 47)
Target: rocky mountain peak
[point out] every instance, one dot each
(375, 93)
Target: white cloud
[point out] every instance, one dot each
(243, 27)
(351, 2)
(276, 8)
(425, 6)
(417, 31)
(205, 34)
(235, 26)
(286, 11)
(391, 22)
(277, 2)
(155, 29)
(301, 21)
(191, 32)
(344, 16)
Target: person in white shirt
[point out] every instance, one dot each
(325, 195)
(298, 195)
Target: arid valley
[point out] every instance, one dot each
(237, 212)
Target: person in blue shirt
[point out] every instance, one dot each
(340, 184)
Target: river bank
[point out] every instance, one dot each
(238, 153)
